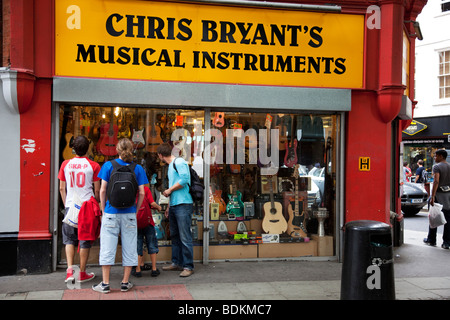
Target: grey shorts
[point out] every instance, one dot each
(70, 236)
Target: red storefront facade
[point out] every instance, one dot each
(368, 164)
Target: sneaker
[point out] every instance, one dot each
(125, 286)
(84, 276)
(172, 268)
(428, 242)
(69, 276)
(101, 287)
(155, 273)
(186, 273)
(445, 246)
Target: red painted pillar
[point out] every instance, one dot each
(368, 193)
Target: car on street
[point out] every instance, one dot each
(413, 198)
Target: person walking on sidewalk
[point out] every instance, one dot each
(441, 194)
(117, 220)
(79, 175)
(179, 212)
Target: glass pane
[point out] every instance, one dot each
(447, 92)
(147, 128)
(303, 154)
(446, 56)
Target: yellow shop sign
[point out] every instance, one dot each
(167, 41)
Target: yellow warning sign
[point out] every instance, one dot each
(364, 163)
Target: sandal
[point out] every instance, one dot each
(146, 267)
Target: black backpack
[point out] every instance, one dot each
(122, 186)
(196, 187)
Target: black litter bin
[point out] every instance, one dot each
(368, 264)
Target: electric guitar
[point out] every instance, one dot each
(108, 138)
(157, 219)
(235, 206)
(296, 227)
(153, 134)
(274, 221)
(216, 197)
(138, 138)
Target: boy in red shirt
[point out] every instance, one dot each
(146, 229)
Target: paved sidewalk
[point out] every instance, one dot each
(421, 273)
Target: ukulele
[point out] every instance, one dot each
(296, 228)
(108, 137)
(290, 157)
(274, 221)
(218, 120)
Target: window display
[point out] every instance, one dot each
(272, 176)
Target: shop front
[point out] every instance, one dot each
(279, 108)
(422, 138)
(229, 89)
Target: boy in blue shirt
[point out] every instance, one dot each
(115, 221)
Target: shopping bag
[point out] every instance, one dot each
(436, 216)
(71, 217)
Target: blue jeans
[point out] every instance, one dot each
(150, 239)
(180, 217)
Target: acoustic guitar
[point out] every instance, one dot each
(290, 157)
(296, 227)
(282, 137)
(273, 221)
(69, 152)
(108, 137)
(153, 134)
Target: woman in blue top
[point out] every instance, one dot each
(119, 221)
(181, 208)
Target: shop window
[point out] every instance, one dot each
(444, 74)
(272, 175)
(285, 202)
